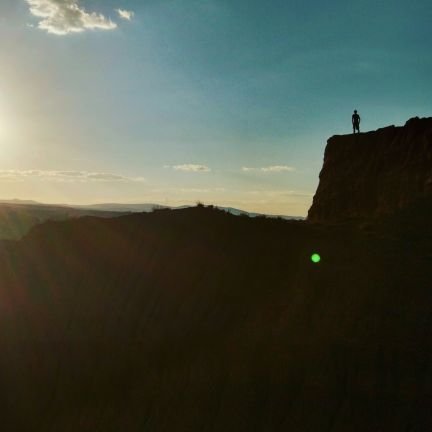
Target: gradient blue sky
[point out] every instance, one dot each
(226, 102)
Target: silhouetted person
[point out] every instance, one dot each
(356, 122)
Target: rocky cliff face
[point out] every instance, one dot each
(375, 173)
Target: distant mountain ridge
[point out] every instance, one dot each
(17, 217)
(150, 207)
(143, 207)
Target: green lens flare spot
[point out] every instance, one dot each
(315, 258)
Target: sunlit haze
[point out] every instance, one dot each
(174, 102)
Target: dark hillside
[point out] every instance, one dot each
(197, 320)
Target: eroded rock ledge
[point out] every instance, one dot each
(375, 173)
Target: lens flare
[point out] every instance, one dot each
(315, 258)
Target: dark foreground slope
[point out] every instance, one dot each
(197, 320)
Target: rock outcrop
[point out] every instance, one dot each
(376, 173)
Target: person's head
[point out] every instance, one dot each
(355, 111)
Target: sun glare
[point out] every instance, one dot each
(3, 122)
(6, 125)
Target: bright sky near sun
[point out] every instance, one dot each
(227, 102)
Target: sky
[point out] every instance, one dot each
(226, 102)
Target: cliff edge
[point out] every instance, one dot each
(375, 173)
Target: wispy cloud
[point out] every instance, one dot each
(65, 176)
(278, 168)
(276, 194)
(186, 190)
(189, 168)
(125, 14)
(271, 169)
(61, 17)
